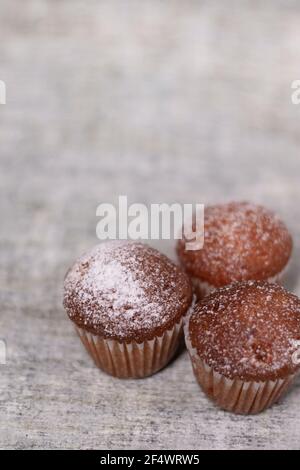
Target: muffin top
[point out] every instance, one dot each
(248, 330)
(242, 241)
(126, 291)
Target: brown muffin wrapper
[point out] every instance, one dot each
(236, 395)
(132, 360)
(203, 288)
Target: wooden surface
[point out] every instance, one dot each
(162, 101)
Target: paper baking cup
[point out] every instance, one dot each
(132, 360)
(236, 395)
(203, 288)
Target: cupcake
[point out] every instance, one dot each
(242, 241)
(243, 342)
(127, 302)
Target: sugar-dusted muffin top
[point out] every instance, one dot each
(126, 291)
(248, 330)
(242, 241)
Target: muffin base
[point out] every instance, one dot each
(132, 360)
(236, 395)
(203, 288)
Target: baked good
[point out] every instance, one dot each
(127, 301)
(242, 241)
(244, 343)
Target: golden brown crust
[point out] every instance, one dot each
(248, 330)
(242, 241)
(126, 291)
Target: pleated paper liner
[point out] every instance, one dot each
(132, 360)
(236, 395)
(203, 288)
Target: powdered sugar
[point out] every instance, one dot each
(242, 241)
(122, 288)
(247, 330)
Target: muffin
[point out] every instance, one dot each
(242, 241)
(243, 342)
(127, 302)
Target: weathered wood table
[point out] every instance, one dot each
(162, 101)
